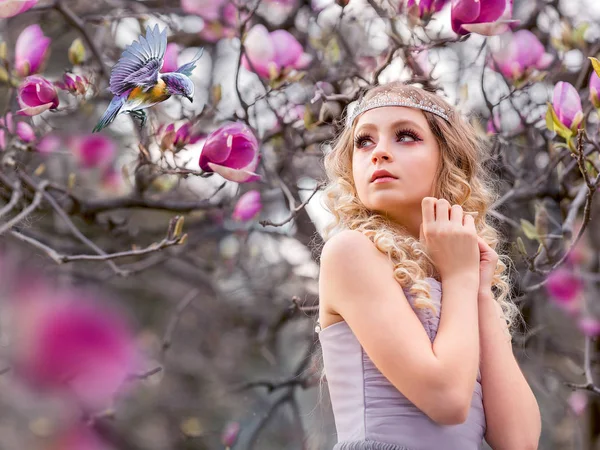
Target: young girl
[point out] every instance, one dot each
(414, 314)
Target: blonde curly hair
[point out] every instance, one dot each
(461, 179)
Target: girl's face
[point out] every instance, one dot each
(396, 139)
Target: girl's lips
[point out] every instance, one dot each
(383, 180)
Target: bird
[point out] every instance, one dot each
(136, 82)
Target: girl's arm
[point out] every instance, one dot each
(511, 410)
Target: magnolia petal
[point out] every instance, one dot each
(34, 110)
(544, 62)
(260, 50)
(490, 28)
(303, 61)
(287, 49)
(248, 206)
(237, 175)
(11, 8)
(25, 132)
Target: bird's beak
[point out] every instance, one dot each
(191, 99)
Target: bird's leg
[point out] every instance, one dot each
(143, 117)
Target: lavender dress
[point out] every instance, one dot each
(371, 414)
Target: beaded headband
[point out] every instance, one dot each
(392, 98)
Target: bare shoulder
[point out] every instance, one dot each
(346, 245)
(349, 258)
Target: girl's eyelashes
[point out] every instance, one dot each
(401, 136)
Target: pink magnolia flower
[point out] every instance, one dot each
(171, 54)
(425, 7)
(25, 132)
(11, 8)
(271, 53)
(564, 288)
(487, 17)
(36, 95)
(31, 50)
(247, 206)
(74, 84)
(595, 89)
(567, 104)
(520, 51)
(232, 152)
(589, 326)
(70, 344)
(172, 140)
(93, 150)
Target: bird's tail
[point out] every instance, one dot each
(111, 112)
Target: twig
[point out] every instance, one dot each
(185, 301)
(78, 234)
(14, 198)
(76, 22)
(37, 199)
(295, 211)
(60, 258)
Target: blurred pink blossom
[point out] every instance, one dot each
(567, 104)
(564, 287)
(207, 9)
(595, 89)
(520, 51)
(78, 438)
(247, 206)
(11, 8)
(49, 143)
(7, 122)
(25, 132)
(589, 326)
(230, 434)
(6, 125)
(31, 50)
(271, 53)
(578, 402)
(487, 17)
(232, 151)
(68, 343)
(36, 95)
(171, 54)
(93, 150)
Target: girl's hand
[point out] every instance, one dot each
(488, 259)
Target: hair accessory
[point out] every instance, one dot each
(391, 98)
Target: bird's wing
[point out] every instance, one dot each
(140, 62)
(187, 68)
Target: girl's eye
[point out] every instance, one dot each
(407, 136)
(361, 139)
(401, 136)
